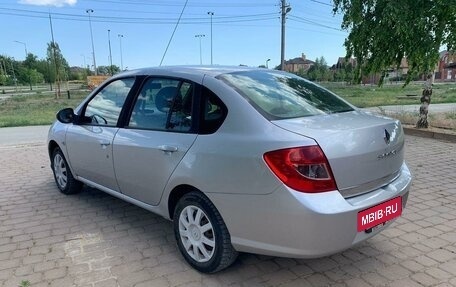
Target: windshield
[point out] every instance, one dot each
(279, 95)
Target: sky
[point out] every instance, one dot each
(244, 32)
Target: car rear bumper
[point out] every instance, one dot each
(293, 224)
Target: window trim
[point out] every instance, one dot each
(201, 107)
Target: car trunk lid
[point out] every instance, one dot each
(364, 151)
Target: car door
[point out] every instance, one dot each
(158, 133)
(89, 142)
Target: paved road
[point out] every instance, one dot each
(95, 240)
(23, 135)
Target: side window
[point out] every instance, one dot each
(214, 112)
(163, 104)
(104, 109)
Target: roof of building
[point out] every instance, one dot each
(299, 60)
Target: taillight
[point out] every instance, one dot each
(304, 169)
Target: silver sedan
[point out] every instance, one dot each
(240, 159)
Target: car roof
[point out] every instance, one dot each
(211, 71)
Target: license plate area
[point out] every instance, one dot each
(379, 214)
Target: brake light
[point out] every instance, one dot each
(304, 169)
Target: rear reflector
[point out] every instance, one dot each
(304, 169)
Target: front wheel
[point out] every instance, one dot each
(201, 234)
(64, 179)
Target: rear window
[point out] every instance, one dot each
(278, 95)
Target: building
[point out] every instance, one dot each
(446, 67)
(299, 64)
(342, 62)
(398, 73)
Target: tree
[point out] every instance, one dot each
(382, 32)
(319, 71)
(59, 67)
(108, 70)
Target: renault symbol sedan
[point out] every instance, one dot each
(240, 159)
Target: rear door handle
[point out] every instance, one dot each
(168, 148)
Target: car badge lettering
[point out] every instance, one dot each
(387, 137)
(387, 154)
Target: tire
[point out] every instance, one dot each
(62, 174)
(201, 234)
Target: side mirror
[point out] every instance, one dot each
(66, 116)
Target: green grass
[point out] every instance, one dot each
(391, 94)
(38, 109)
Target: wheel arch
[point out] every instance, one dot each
(177, 193)
(51, 147)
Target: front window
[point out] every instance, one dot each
(280, 96)
(104, 109)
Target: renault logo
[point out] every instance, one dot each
(387, 137)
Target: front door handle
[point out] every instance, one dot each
(104, 143)
(168, 148)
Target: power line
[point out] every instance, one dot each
(322, 3)
(143, 20)
(168, 3)
(308, 21)
(324, 32)
(172, 35)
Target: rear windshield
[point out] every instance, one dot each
(278, 95)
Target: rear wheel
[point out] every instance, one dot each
(62, 174)
(201, 234)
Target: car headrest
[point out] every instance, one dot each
(164, 98)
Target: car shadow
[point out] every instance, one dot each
(136, 246)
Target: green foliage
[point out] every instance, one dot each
(25, 283)
(319, 71)
(57, 63)
(382, 32)
(108, 70)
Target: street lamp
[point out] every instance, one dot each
(120, 42)
(25, 47)
(200, 36)
(211, 14)
(110, 55)
(267, 67)
(26, 53)
(89, 11)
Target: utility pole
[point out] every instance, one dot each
(2, 69)
(14, 75)
(110, 55)
(201, 56)
(57, 73)
(211, 14)
(88, 11)
(121, 57)
(285, 9)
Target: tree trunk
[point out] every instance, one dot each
(425, 102)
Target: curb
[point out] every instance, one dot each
(430, 134)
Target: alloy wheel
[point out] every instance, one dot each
(196, 233)
(60, 171)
